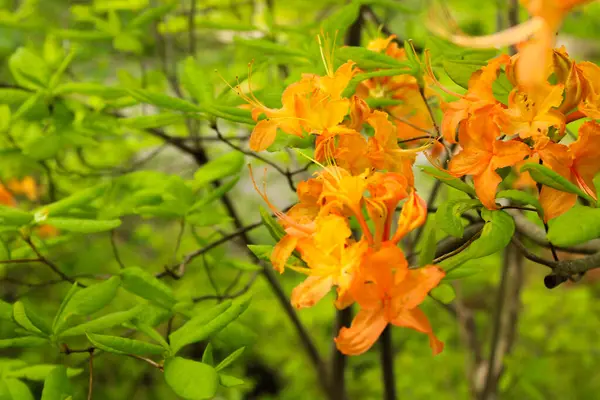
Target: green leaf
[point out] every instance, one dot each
(29, 70)
(58, 320)
(91, 89)
(207, 356)
(102, 323)
(578, 225)
(338, 22)
(428, 244)
(149, 15)
(17, 390)
(501, 88)
(87, 301)
(462, 272)
(230, 358)
(22, 317)
(197, 81)
(120, 345)
(495, 235)
(163, 101)
(83, 225)
(242, 265)
(269, 48)
(460, 71)
(142, 283)
(153, 121)
(14, 216)
(271, 224)
(367, 59)
(444, 293)
(153, 334)
(546, 176)
(219, 168)
(39, 372)
(55, 78)
(209, 323)
(449, 215)
(521, 197)
(128, 43)
(229, 381)
(190, 379)
(80, 198)
(261, 251)
(214, 195)
(57, 385)
(448, 179)
(26, 341)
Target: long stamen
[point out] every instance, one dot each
(278, 213)
(429, 71)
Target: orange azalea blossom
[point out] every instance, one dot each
(590, 104)
(384, 151)
(298, 222)
(482, 154)
(412, 116)
(313, 105)
(538, 33)
(564, 71)
(388, 292)
(478, 101)
(530, 114)
(332, 259)
(579, 162)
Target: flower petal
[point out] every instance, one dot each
(417, 320)
(309, 292)
(362, 334)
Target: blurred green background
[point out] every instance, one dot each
(555, 353)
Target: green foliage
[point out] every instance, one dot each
(546, 176)
(111, 108)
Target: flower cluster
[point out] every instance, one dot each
(529, 127)
(362, 181)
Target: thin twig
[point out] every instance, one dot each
(443, 257)
(49, 263)
(115, 249)
(91, 381)
(149, 361)
(190, 256)
(226, 296)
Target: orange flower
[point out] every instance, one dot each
(478, 99)
(482, 154)
(579, 163)
(26, 186)
(531, 113)
(284, 118)
(331, 258)
(590, 105)
(388, 292)
(298, 222)
(383, 150)
(6, 197)
(538, 32)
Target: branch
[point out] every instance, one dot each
(343, 318)
(536, 234)
(505, 320)
(190, 256)
(221, 297)
(387, 363)
(49, 263)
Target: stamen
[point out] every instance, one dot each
(429, 71)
